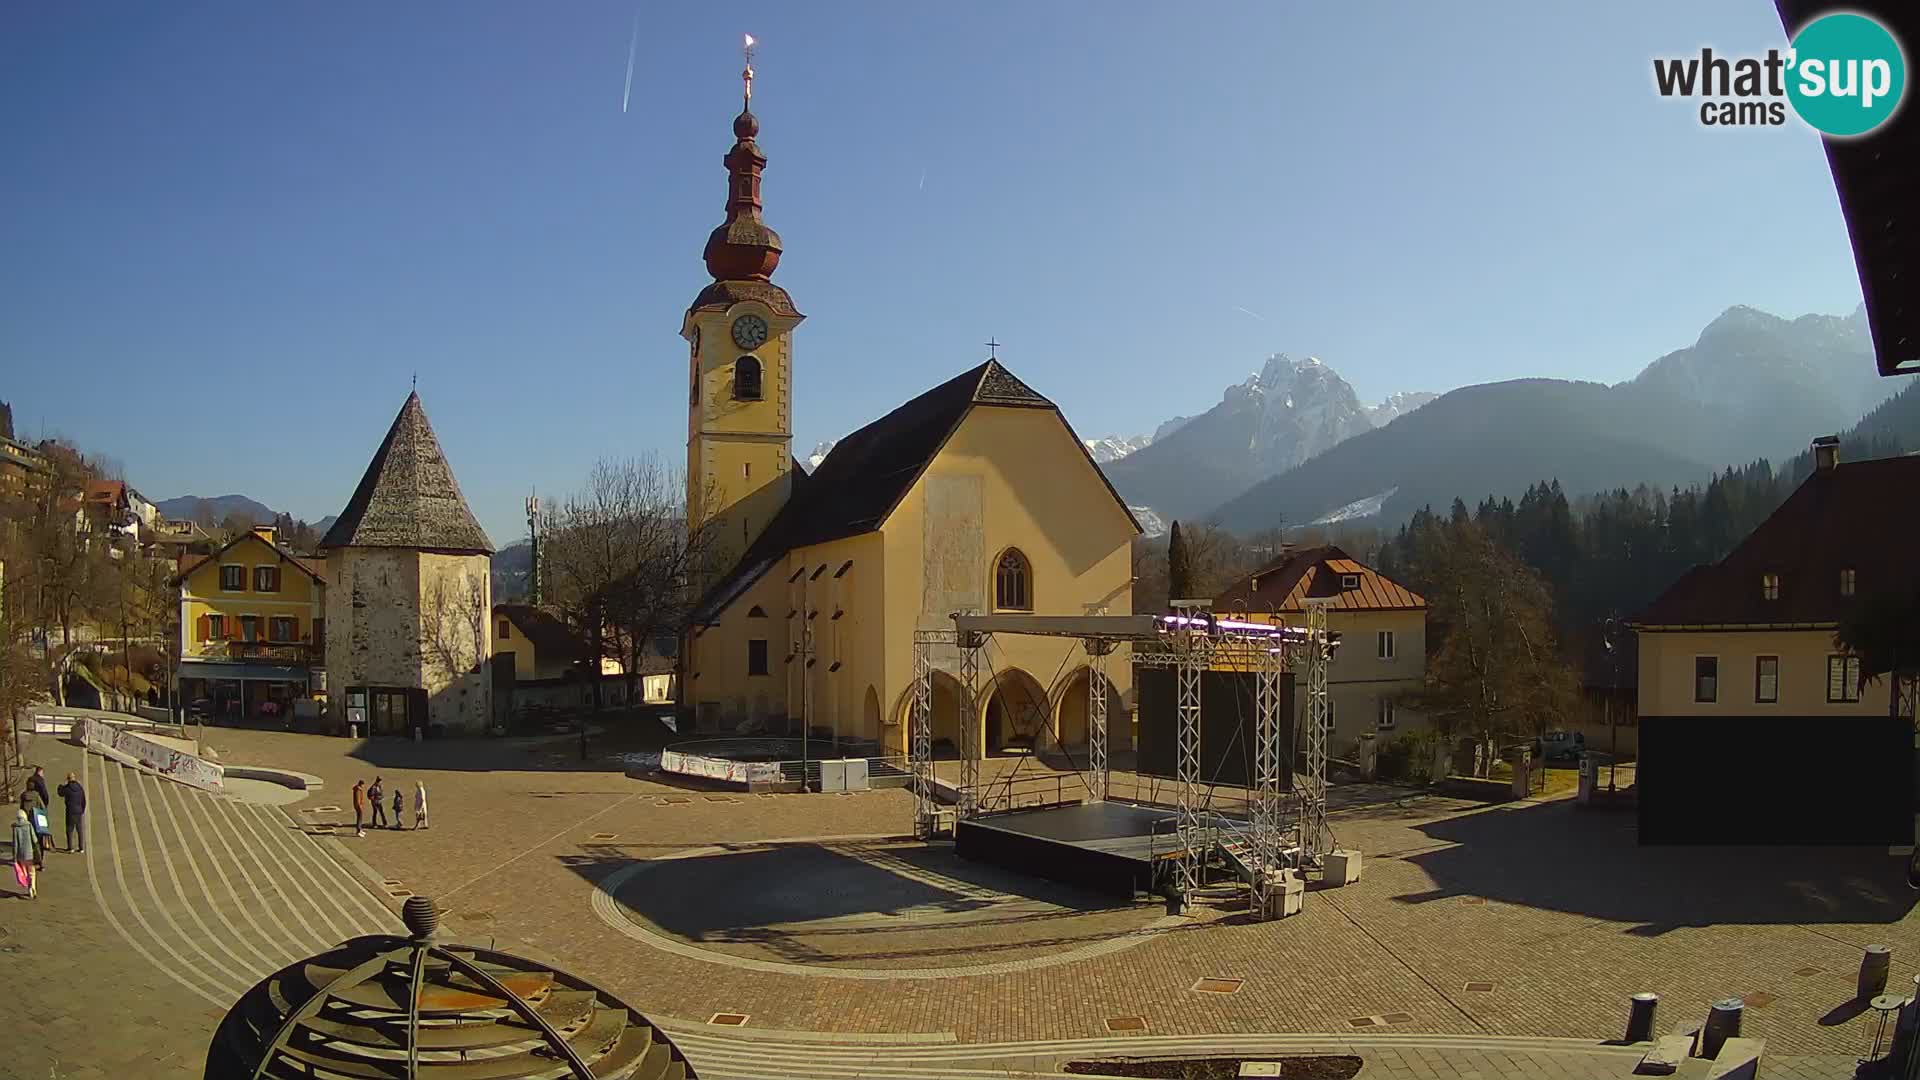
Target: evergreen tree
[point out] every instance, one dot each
(1179, 566)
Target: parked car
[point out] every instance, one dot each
(1560, 746)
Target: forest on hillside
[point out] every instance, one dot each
(1600, 554)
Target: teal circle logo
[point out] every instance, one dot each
(1846, 74)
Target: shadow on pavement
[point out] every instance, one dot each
(1559, 857)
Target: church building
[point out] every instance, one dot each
(976, 495)
(409, 596)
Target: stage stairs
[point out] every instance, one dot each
(1236, 847)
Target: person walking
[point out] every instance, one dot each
(76, 799)
(359, 807)
(419, 804)
(42, 834)
(37, 784)
(399, 802)
(376, 794)
(23, 870)
(30, 808)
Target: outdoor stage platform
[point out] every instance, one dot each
(1108, 847)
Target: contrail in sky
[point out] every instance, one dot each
(1255, 314)
(923, 179)
(632, 44)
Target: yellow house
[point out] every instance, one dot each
(976, 495)
(1383, 636)
(253, 627)
(547, 663)
(1752, 635)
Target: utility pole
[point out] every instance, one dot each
(1608, 632)
(533, 545)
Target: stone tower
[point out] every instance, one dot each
(739, 332)
(409, 601)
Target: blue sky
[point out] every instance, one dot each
(231, 233)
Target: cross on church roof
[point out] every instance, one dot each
(993, 349)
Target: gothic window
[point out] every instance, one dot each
(746, 378)
(1013, 582)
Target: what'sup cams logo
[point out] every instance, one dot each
(1843, 74)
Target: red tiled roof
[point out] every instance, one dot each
(1316, 572)
(1858, 516)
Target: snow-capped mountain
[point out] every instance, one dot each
(819, 454)
(1396, 406)
(1279, 416)
(1114, 447)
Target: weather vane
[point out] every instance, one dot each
(746, 76)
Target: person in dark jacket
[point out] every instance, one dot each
(38, 784)
(375, 792)
(32, 805)
(76, 798)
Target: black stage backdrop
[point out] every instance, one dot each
(1775, 780)
(1226, 725)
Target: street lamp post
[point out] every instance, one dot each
(1613, 688)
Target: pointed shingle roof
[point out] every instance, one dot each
(408, 497)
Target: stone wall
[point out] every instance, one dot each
(403, 618)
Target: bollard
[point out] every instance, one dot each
(1640, 1017)
(1723, 1023)
(1873, 972)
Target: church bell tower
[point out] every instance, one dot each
(739, 334)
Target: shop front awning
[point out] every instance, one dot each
(245, 672)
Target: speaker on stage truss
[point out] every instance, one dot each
(1226, 725)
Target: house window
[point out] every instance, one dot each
(319, 635)
(1386, 644)
(266, 579)
(249, 628)
(1386, 714)
(1847, 581)
(757, 656)
(233, 579)
(1012, 582)
(506, 629)
(281, 628)
(216, 628)
(1766, 679)
(1843, 679)
(1706, 678)
(746, 378)
(1349, 581)
(1770, 586)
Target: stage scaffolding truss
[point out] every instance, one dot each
(1287, 829)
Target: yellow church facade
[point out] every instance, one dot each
(977, 495)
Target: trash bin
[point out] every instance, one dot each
(1589, 779)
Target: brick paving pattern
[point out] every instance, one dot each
(1555, 908)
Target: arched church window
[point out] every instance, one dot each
(746, 378)
(1013, 582)
(756, 612)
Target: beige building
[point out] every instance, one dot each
(976, 495)
(1752, 635)
(1383, 636)
(409, 596)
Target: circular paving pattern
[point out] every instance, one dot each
(863, 908)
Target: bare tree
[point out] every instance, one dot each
(621, 563)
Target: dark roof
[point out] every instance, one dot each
(408, 497)
(1283, 584)
(551, 638)
(1856, 515)
(867, 473)
(1874, 177)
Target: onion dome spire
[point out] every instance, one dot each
(743, 247)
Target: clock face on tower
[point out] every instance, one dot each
(749, 331)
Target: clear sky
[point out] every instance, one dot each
(231, 233)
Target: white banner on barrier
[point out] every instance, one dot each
(165, 760)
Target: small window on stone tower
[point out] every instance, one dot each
(746, 378)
